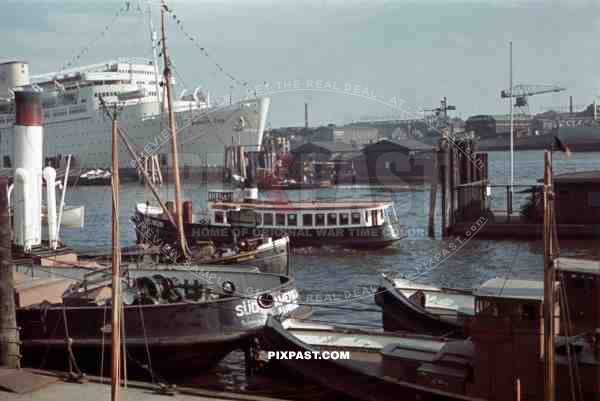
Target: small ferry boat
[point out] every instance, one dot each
(351, 224)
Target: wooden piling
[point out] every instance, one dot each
(433, 197)
(444, 174)
(9, 334)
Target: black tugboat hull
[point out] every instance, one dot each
(376, 237)
(181, 337)
(401, 314)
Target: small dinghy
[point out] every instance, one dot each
(368, 365)
(410, 306)
(180, 320)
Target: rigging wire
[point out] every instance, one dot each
(84, 50)
(192, 38)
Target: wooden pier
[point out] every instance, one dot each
(27, 385)
(471, 203)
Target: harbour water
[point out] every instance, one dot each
(340, 283)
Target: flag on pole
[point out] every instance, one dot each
(560, 146)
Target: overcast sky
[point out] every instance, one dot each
(413, 51)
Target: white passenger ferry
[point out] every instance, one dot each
(349, 224)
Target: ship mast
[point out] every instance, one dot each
(549, 281)
(173, 128)
(116, 276)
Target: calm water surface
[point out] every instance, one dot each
(325, 273)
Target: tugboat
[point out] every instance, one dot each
(182, 320)
(349, 224)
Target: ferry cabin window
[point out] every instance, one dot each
(366, 216)
(268, 219)
(280, 219)
(258, 218)
(355, 218)
(344, 220)
(219, 217)
(307, 219)
(331, 219)
(319, 219)
(292, 220)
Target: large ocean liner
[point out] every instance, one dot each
(75, 123)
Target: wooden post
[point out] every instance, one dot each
(433, 197)
(509, 204)
(116, 276)
(452, 181)
(173, 128)
(445, 173)
(549, 281)
(9, 334)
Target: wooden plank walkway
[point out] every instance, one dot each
(93, 390)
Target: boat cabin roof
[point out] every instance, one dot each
(511, 288)
(303, 206)
(578, 265)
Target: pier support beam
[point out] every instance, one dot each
(433, 196)
(9, 333)
(444, 166)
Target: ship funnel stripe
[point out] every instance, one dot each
(28, 105)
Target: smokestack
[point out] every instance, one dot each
(306, 115)
(28, 156)
(571, 104)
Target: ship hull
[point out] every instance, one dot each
(201, 137)
(181, 337)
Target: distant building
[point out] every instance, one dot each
(395, 162)
(356, 134)
(383, 162)
(323, 156)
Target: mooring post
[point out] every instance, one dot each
(433, 195)
(445, 172)
(9, 333)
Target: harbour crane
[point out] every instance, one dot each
(522, 92)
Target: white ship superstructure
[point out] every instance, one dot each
(75, 123)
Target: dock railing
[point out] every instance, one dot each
(482, 199)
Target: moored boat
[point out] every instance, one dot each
(186, 320)
(503, 359)
(367, 373)
(264, 253)
(409, 306)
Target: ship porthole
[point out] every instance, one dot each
(265, 301)
(228, 287)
